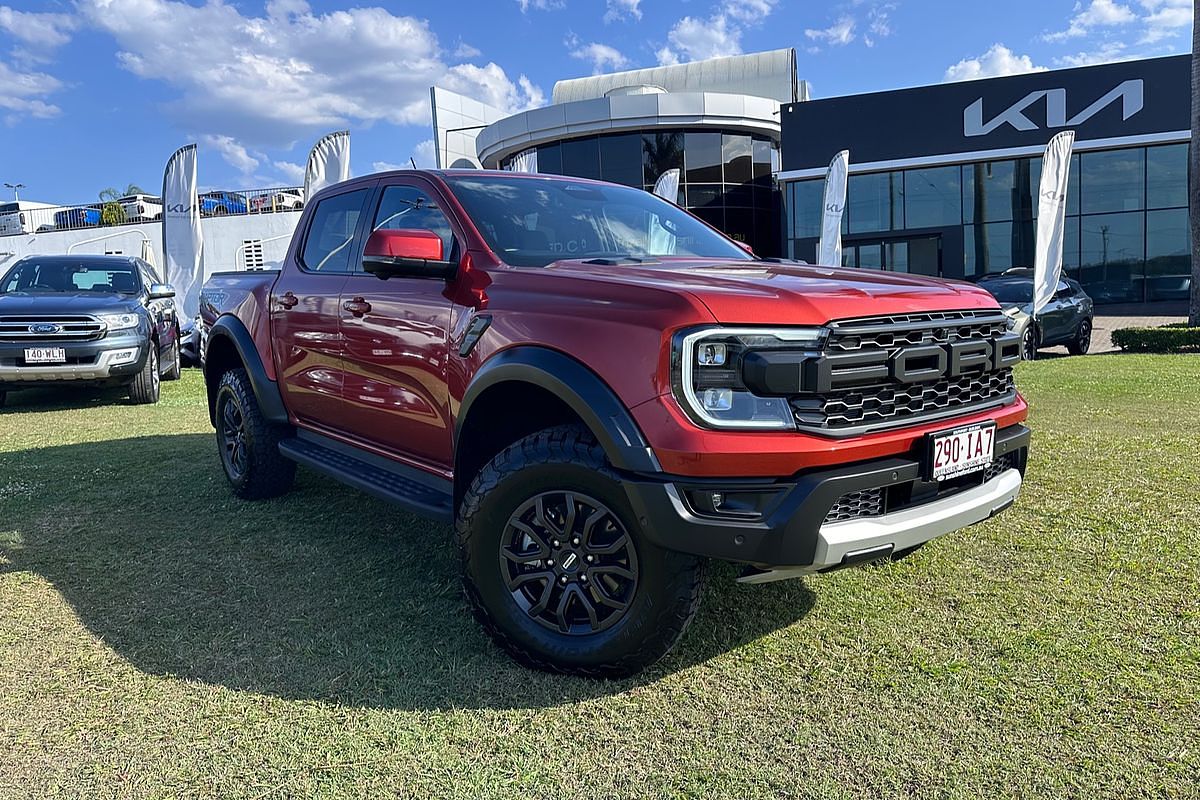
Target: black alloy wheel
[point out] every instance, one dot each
(569, 562)
(231, 433)
(1083, 339)
(1029, 343)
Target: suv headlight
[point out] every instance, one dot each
(706, 375)
(120, 322)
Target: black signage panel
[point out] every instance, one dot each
(1131, 98)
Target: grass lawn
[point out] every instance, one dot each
(159, 638)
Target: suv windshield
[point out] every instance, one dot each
(1010, 291)
(532, 222)
(63, 275)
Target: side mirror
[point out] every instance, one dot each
(161, 291)
(415, 253)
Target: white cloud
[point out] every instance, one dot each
(540, 5)
(269, 80)
(232, 151)
(1097, 14)
(622, 9)
(42, 30)
(292, 173)
(840, 32)
(23, 94)
(1165, 18)
(464, 50)
(423, 154)
(998, 60)
(749, 10)
(697, 40)
(387, 166)
(602, 57)
(1106, 53)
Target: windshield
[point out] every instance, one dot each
(62, 275)
(532, 222)
(1010, 292)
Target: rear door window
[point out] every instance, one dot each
(328, 245)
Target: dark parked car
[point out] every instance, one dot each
(94, 320)
(1065, 320)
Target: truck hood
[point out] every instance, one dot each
(757, 292)
(34, 303)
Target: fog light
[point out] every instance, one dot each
(718, 399)
(122, 356)
(710, 354)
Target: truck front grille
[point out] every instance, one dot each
(47, 330)
(854, 406)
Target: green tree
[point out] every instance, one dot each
(111, 213)
(112, 193)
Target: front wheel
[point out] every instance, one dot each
(557, 569)
(176, 370)
(248, 443)
(145, 387)
(1083, 339)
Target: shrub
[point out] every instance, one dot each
(1167, 339)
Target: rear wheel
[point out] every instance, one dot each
(176, 369)
(249, 445)
(557, 569)
(1083, 339)
(1029, 343)
(145, 387)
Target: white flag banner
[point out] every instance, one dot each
(183, 241)
(829, 251)
(1052, 211)
(667, 185)
(328, 163)
(524, 162)
(662, 241)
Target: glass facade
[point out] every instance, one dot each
(1127, 237)
(725, 177)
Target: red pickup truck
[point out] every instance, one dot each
(600, 392)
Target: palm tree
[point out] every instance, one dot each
(1194, 191)
(112, 193)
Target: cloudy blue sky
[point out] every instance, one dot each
(97, 93)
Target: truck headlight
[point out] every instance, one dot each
(120, 322)
(707, 380)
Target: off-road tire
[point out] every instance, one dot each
(1082, 342)
(176, 370)
(264, 473)
(146, 386)
(668, 584)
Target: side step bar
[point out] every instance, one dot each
(406, 487)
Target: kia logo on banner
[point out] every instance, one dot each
(1130, 93)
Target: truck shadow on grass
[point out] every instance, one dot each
(324, 594)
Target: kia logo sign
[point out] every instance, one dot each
(833, 208)
(179, 208)
(1131, 95)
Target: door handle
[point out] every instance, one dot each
(358, 306)
(288, 300)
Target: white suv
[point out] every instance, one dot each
(141, 207)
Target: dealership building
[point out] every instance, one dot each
(943, 179)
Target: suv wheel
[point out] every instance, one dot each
(176, 370)
(249, 444)
(558, 571)
(146, 385)
(1083, 339)
(1029, 343)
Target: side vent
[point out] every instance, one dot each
(253, 249)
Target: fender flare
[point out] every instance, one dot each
(592, 400)
(266, 391)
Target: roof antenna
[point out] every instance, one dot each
(412, 161)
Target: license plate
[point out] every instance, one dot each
(961, 451)
(45, 355)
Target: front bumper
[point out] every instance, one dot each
(785, 527)
(117, 358)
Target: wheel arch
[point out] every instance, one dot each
(230, 346)
(544, 388)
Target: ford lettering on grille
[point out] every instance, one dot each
(45, 328)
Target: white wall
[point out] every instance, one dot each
(223, 236)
